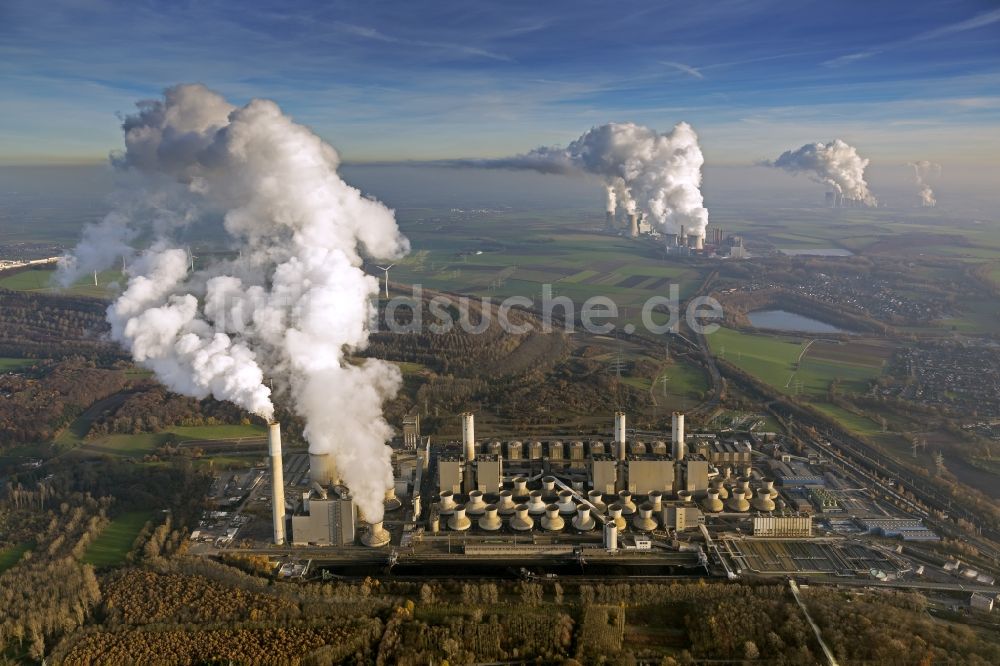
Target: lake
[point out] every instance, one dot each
(782, 320)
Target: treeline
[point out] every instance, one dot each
(54, 326)
(36, 405)
(154, 408)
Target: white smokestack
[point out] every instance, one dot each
(277, 482)
(657, 172)
(836, 164)
(296, 303)
(677, 435)
(921, 171)
(469, 436)
(619, 426)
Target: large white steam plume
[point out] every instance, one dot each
(922, 170)
(293, 305)
(656, 173)
(836, 164)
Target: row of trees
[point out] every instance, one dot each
(54, 326)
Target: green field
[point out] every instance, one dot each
(40, 280)
(218, 432)
(12, 555)
(775, 361)
(114, 543)
(15, 363)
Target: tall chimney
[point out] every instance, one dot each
(469, 436)
(677, 437)
(619, 427)
(277, 482)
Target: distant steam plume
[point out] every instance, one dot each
(658, 174)
(294, 304)
(923, 170)
(835, 164)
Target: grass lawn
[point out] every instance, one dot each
(114, 543)
(15, 363)
(218, 431)
(12, 555)
(40, 280)
(853, 422)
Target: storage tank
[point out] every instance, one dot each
(536, 505)
(644, 520)
(521, 521)
(535, 451)
(375, 536)
(552, 521)
(597, 499)
(458, 521)
(712, 503)
(625, 500)
(514, 450)
(566, 505)
(475, 506)
(615, 516)
(583, 520)
(506, 504)
(490, 521)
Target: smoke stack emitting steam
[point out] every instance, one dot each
(641, 169)
(290, 308)
(921, 171)
(836, 164)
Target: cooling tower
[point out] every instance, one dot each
(611, 536)
(520, 487)
(583, 520)
(720, 489)
(633, 225)
(712, 504)
(677, 435)
(656, 500)
(625, 500)
(743, 485)
(458, 521)
(643, 520)
(763, 502)
(469, 436)
(552, 521)
(475, 506)
(391, 502)
(323, 469)
(738, 502)
(375, 536)
(521, 521)
(506, 504)
(566, 506)
(597, 499)
(609, 220)
(699, 242)
(615, 516)
(447, 504)
(535, 504)
(767, 488)
(549, 486)
(619, 426)
(277, 482)
(490, 520)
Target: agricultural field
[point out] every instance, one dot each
(15, 363)
(114, 543)
(11, 555)
(41, 280)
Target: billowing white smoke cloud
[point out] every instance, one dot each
(922, 170)
(659, 174)
(289, 309)
(835, 164)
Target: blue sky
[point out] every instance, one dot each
(426, 80)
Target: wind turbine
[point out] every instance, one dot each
(386, 269)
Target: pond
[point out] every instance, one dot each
(782, 320)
